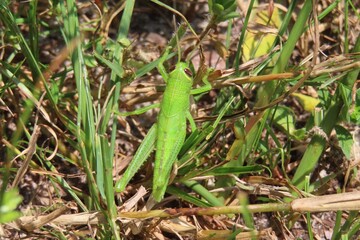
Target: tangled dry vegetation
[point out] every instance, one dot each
(277, 148)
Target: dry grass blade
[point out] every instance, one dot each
(92, 218)
(30, 224)
(30, 151)
(334, 202)
(226, 234)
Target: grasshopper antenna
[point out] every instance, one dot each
(177, 39)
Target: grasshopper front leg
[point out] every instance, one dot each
(207, 85)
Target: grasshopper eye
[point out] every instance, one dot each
(188, 72)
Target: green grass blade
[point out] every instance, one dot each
(223, 171)
(85, 117)
(109, 149)
(203, 192)
(242, 37)
(186, 197)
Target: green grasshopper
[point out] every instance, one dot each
(169, 132)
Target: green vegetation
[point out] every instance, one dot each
(273, 117)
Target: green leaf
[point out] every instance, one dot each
(217, 9)
(345, 140)
(258, 42)
(223, 10)
(11, 200)
(55, 91)
(285, 119)
(185, 196)
(90, 60)
(9, 216)
(221, 171)
(299, 134)
(355, 115)
(229, 16)
(115, 68)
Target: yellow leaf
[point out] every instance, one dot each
(261, 33)
(307, 102)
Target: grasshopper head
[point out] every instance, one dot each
(182, 71)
